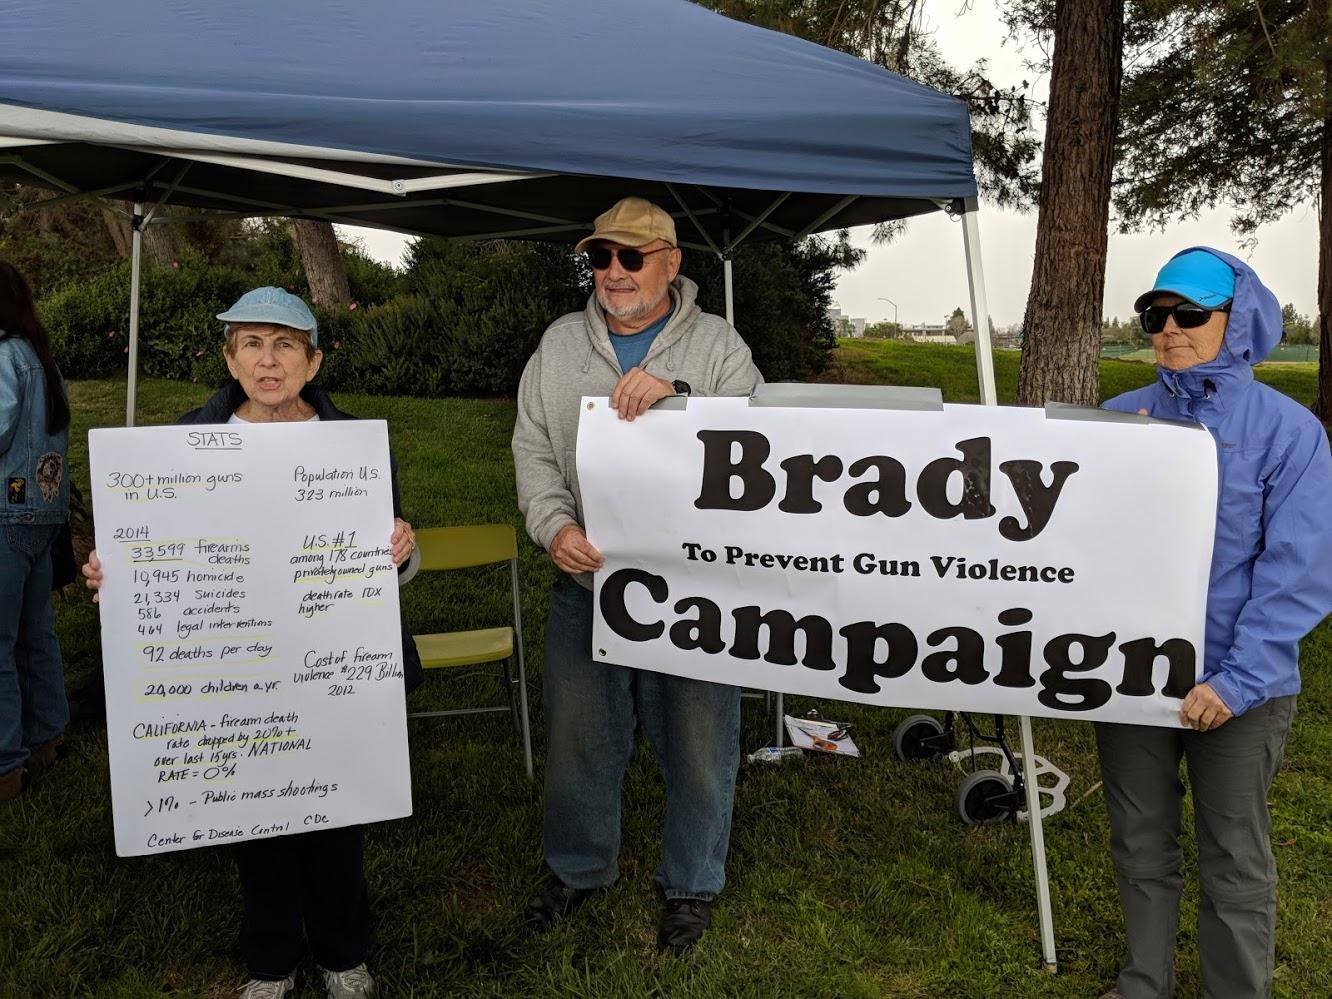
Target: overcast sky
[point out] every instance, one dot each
(923, 271)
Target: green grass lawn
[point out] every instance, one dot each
(847, 878)
(953, 369)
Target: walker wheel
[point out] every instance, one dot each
(984, 798)
(919, 738)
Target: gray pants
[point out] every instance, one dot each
(1230, 770)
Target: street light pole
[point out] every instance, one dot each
(893, 304)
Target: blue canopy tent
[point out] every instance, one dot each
(505, 119)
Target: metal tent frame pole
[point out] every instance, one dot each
(980, 322)
(136, 267)
(730, 290)
(779, 735)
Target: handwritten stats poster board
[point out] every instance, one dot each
(250, 631)
(974, 558)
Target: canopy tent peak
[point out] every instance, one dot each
(166, 195)
(754, 223)
(689, 213)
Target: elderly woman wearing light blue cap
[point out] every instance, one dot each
(1211, 320)
(310, 887)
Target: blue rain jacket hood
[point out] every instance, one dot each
(1271, 576)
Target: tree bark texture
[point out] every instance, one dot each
(1323, 405)
(119, 231)
(161, 243)
(1061, 339)
(322, 262)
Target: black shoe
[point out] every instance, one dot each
(553, 903)
(682, 923)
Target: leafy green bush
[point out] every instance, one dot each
(460, 320)
(88, 321)
(178, 315)
(782, 295)
(395, 350)
(473, 317)
(371, 282)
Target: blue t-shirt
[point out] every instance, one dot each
(631, 348)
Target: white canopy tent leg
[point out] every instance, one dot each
(136, 263)
(980, 322)
(730, 290)
(779, 736)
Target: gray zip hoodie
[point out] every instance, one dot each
(575, 358)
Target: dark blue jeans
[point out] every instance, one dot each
(33, 709)
(591, 711)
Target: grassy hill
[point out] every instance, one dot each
(953, 369)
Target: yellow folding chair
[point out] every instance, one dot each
(443, 548)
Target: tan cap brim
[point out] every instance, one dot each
(614, 236)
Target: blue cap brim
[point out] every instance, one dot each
(1200, 297)
(277, 317)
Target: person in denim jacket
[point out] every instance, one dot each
(34, 444)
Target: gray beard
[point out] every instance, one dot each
(631, 312)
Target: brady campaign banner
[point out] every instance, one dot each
(970, 558)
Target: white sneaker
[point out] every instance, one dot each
(258, 988)
(348, 984)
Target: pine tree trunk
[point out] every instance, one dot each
(1061, 339)
(1323, 406)
(322, 262)
(119, 231)
(161, 243)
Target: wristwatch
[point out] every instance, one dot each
(681, 388)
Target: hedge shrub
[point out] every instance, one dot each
(460, 320)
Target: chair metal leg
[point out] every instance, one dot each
(509, 684)
(522, 671)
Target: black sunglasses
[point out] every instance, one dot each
(1187, 316)
(630, 259)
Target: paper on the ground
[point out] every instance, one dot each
(807, 733)
(250, 631)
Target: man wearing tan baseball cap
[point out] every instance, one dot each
(631, 222)
(641, 338)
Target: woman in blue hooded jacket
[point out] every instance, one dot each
(34, 440)
(1211, 321)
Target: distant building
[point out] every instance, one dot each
(844, 325)
(928, 333)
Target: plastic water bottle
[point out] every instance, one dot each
(775, 754)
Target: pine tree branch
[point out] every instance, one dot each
(1266, 33)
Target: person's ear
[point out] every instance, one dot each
(312, 366)
(673, 261)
